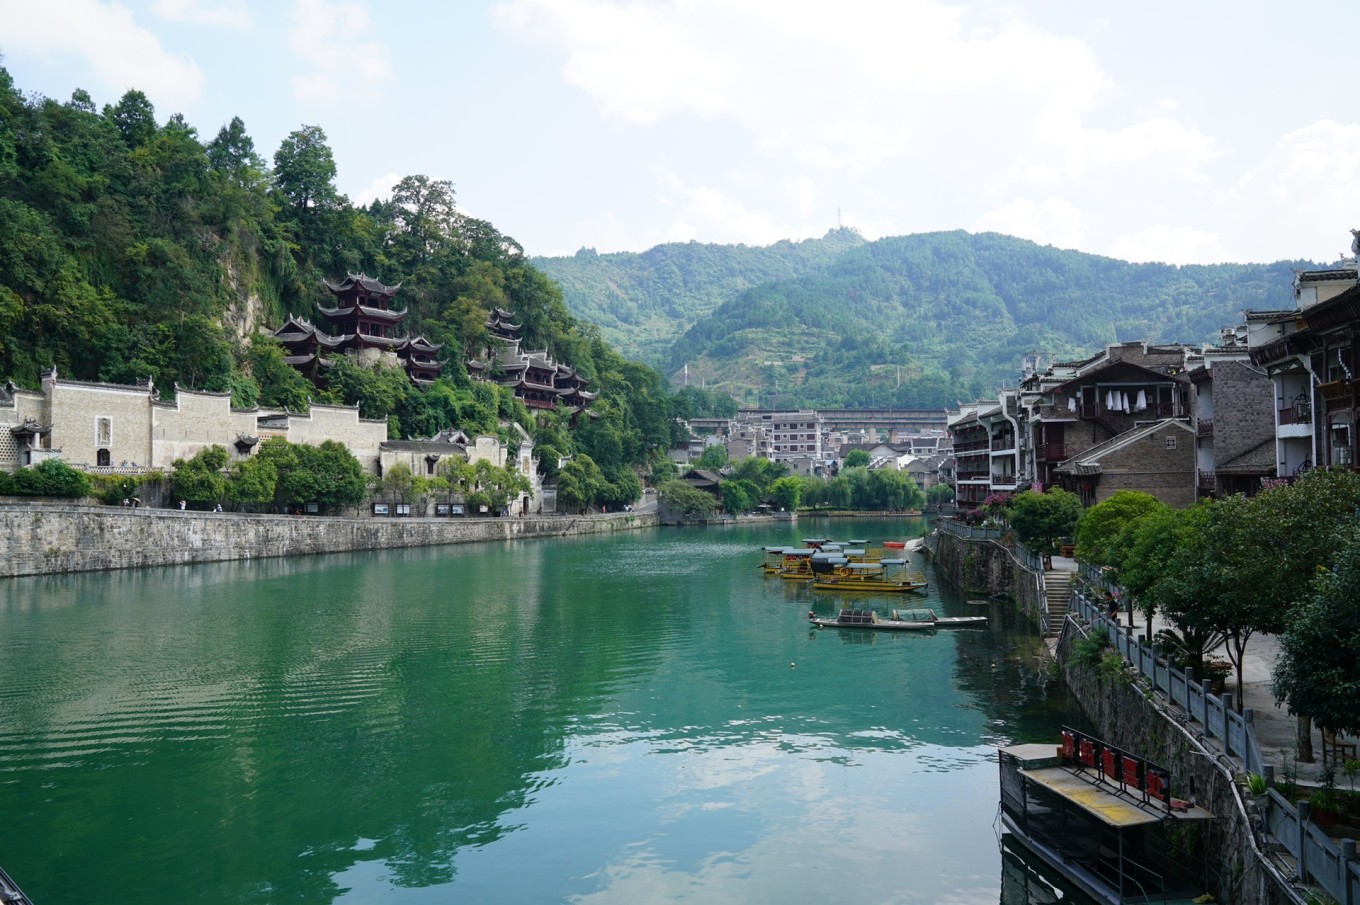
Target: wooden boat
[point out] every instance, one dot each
(895, 544)
(1103, 819)
(884, 577)
(773, 561)
(913, 620)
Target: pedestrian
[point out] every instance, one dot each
(182, 504)
(217, 508)
(1114, 608)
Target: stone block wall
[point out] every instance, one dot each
(43, 540)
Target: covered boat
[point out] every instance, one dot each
(888, 576)
(1104, 819)
(913, 620)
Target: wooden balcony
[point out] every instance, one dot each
(1207, 480)
(1051, 452)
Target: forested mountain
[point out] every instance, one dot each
(642, 302)
(921, 320)
(130, 250)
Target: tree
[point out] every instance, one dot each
(787, 493)
(1041, 519)
(737, 496)
(135, 119)
(1097, 533)
(424, 213)
(714, 457)
(199, 480)
(251, 482)
(1149, 543)
(689, 502)
(50, 477)
(304, 169)
(856, 458)
(232, 154)
(1316, 673)
(578, 483)
(396, 482)
(939, 494)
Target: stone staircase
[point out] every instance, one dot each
(1058, 590)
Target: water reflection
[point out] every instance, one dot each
(635, 718)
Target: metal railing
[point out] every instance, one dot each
(968, 532)
(1320, 861)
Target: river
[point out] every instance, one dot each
(634, 718)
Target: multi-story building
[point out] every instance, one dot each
(363, 323)
(1311, 356)
(1233, 417)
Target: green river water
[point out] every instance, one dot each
(637, 718)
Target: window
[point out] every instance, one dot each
(1170, 442)
(103, 431)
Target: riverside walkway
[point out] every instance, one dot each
(1276, 729)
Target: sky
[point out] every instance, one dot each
(1201, 132)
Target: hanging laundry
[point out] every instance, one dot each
(1142, 400)
(1072, 403)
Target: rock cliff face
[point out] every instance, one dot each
(46, 540)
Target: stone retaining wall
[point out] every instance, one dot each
(986, 567)
(44, 539)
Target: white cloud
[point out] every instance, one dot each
(121, 53)
(1313, 169)
(702, 210)
(378, 189)
(332, 42)
(1053, 221)
(229, 14)
(1170, 245)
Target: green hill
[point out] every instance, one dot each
(919, 320)
(642, 302)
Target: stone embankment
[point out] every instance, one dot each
(45, 539)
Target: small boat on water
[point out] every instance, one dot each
(888, 576)
(913, 620)
(10, 893)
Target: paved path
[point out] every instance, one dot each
(1276, 729)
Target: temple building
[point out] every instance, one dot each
(362, 323)
(535, 378)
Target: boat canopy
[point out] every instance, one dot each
(915, 615)
(863, 567)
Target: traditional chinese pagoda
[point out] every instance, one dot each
(535, 378)
(363, 323)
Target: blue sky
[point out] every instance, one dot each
(1186, 132)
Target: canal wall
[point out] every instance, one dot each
(48, 539)
(986, 567)
(1125, 714)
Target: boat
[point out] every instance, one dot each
(895, 544)
(913, 620)
(1103, 819)
(10, 893)
(774, 560)
(887, 576)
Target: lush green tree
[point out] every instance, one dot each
(251, 482)
(890, 489)
(689, 502)
(135, 119)
(304, 169)
(714, 457)
(1316, 673)
(1040, 520)
(857, 458)
(578, 484)
(939, 494)
(621, 488)
(500, 485)
(787, 493)
(200, 480)
(50, 477)
(1097, 533)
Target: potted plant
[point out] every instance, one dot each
(1214, 673)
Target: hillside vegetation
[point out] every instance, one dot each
(132, 251)
(913, 321)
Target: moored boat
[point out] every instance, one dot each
(1103, 819)
(887, 576)
(913, 620)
